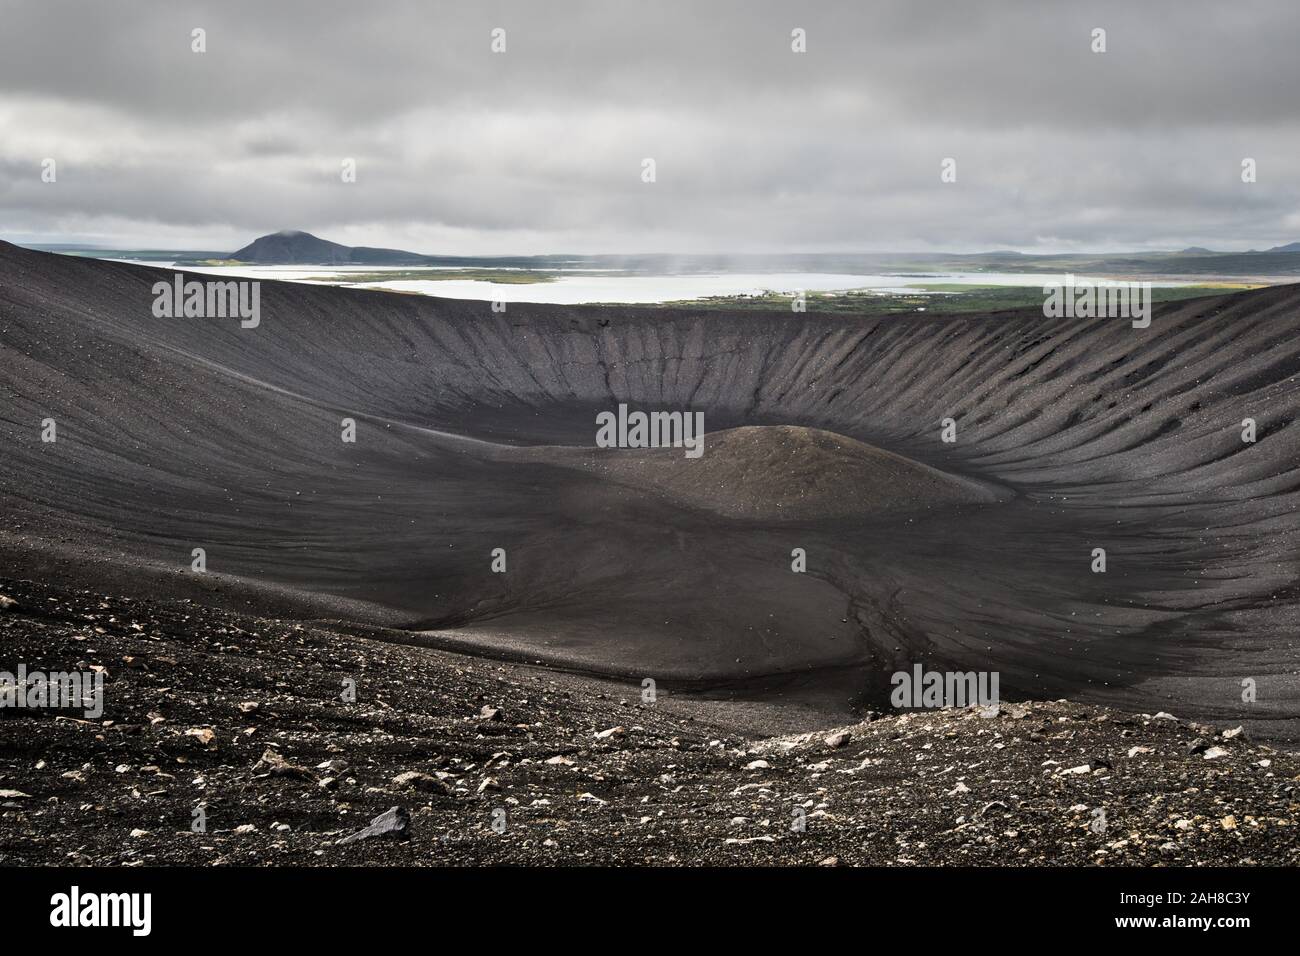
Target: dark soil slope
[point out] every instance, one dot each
(241, 719)
(176, 434)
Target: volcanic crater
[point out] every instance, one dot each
(474, 432)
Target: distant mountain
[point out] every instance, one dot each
(297, 248)
(291, 247)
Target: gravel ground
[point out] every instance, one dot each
(243, 718)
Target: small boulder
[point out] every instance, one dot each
(277, 766)
(204, 735)
(417, 780)
(394, 823)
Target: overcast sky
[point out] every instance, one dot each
(460, 150)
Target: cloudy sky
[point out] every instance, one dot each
(460, 150)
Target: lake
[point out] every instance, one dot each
(638, 288)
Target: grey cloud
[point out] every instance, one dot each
(757, 148)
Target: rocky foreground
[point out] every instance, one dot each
(226, 740)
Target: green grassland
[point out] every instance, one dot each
(940, 297)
